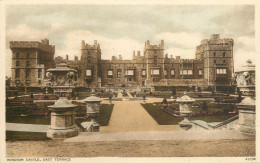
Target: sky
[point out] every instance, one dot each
(121, 29)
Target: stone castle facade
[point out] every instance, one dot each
(212, 66)
(30, 60)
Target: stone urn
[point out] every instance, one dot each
(185, 103)
(93, 104)
(61, 79)
(62, 120)
(245, 79)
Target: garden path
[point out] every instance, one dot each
(130, 116)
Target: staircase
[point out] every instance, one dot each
(225, 122)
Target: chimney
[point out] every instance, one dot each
(82, 44)
(95, 43)
(138, 53)
(67, 57)
(162, 43)
(215, 36)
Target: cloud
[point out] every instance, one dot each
(183, 39)
(241, 56)
(109, 46)
(247, 42)
(183, 53)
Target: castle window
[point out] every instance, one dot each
(200, 72)
(221, 71)
(186, 72)
(172, 72)
(17, 73)
(119, 73)
(39, 82)
(110, 73)
(155, 72)
(155, 60)
(214, 54)
(129, 72)
(28, 55)
(224, 54)
(39, 73)
(88, 53)
(17, 63)
(17, 55)
(215, 61)
(143, 72)
(88, 72)
(27, 73)
(224, 61)
(165, 72)
(27, 63)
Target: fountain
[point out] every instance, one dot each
(62, 81)
(184, 106)
(245, 79)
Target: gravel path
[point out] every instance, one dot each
(163, 148)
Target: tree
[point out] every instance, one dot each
(204, 106)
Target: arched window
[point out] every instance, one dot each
(214, 54)
(224, 54)
(17, 63)
(27, 63)
(17, 55)
(28, 55)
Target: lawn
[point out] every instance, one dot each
(103, 120)
(105, 114)
(163, 118)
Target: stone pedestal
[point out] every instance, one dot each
(246, 121)
(245, 79)
(184, 106)
(62, 120)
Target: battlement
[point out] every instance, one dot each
(148, 46)
(137, 56)
(43, 45)
(95, 46)
(215, 39)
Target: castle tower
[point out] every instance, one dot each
(30, 60)
(154, 56)
(90, 65)
(217, 56)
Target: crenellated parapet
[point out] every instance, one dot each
(95, 46)
(149, 46)
(43, 45)
(216, 40)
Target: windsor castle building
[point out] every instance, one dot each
(213, 65)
